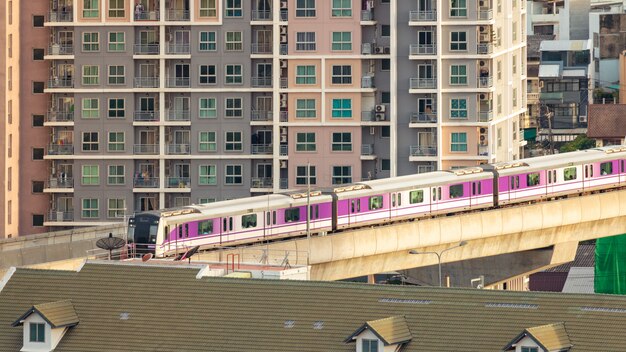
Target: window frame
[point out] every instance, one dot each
(90, 175)
(206, 109)
(304, 110)
(308, 77)
(205, 76)
(116, 12)
(88, 143)
(114, 78)
(38, 334)
(342, 177)
(233, 74)
(115, 210)
(114, 178)
(458, 146)
(209, 9)
(233, 41)
(115, 145)
(341, 145)
(458, 44)
(210, 42)
(115, 46)
(233, 107)
(306, 41)
(231, 144)
(301, 175)
(307, 143)
(416, 196)
(339, 8)
(233, 8)
(457, 78)
(339, 41)
(567, 177)
(235, 178)
(87, 210)
(249, 221)
(342, 111)
(457, 110)
(341, 77)
(91, 42)
(90, 112)
(91, 8)
(116, 111)
(90, 75)
(304, 9)
(207, 141)
(458, 10)
(207, 175)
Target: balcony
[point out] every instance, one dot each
(178, 82)
(423, 16)
(483, 150)
(261, 149)
(284, 150)
(367, 149)
(485, 116)
(423, 49)
(177, 15)
(284, 116)
(532, 97)
(485, 14)
(484, 48)
(61, 149)
(60, 216)
(423, 83)
(145, 182)
(146, 82)
(261, 48)
(424, 117)
(178, 149)
(421, 150)
(485, 81)
(177, 182)
(284, 15)
(261, 82)
(262, 182)
(284, 82)
(367, 15)
(177, 49)
(60, 182)
(146, 116)
(284, 49)
(367, 82)
(178, 115)
(63, 82)
(261, 115)
(261, 15)
(61, 16)
(60, 116)
(60, 49)
(147, 16)
(146, 49)
(146, 149)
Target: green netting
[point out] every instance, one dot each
(610, 270)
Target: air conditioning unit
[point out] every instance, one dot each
(370, 4)
(283, 164)
(283, 139)
(283, 4)
(283, 63)
(379, 50)
(482, 63)
(372, 130)
(483, 29)
(387, 50)
(283, 131)
(483, 96)
(283, 103)
(380, 108)
(380, 116)
(583, 118)
(483, 130)
(283, 39)
(283, 30)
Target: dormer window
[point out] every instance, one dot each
(544, 338)
(369, 345)
(37, 332)
(530, 349)
(376, 335)
(44, 325)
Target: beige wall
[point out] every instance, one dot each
(196, 4)
(622, 78)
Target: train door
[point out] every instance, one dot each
(396, 205)
(435, 204)
(475, 194)
(587, 176)
(227, 229)
(622, 171)
(355, 210)
(552, 182)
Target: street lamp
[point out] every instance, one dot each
(438, 254)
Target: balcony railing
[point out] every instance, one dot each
(483, 150)
(367, 149)
(177, 182)
(145, 182)
(284, 15)
(62, 82)
(284, 83)
(178, 82)
(146, 82)
(148, 149)
(261, 81)
(61, 182)
(367, 82)
(532, 96)
(485, 14)
(417, 16)
(424, 117)
(485, 81)
(261, 149)
(284, 116)
(368, 116)
(484, 48)
(261, 15)
(283, 150)
(261, 115)
(178, 149)
(60, 49)
(423, 83)
(146, 49)
(367, 15)
(147, 16)
(174, 48)
(283, 183)
(59, 216)
(485, 116)
(60, 116)
(61, 16)
(284, 49)
(60, 149)
(423, 49)
(261, 48)
(178, 115)
(142, 115)
(421, 150)
(262, 182)
(177, 15)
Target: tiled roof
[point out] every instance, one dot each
(607, 121)
(391, 330)
(158, 308)
(57, 314)
(533, 42)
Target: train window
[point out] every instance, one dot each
(186, 230)
(606, 168)
(317, 211)
(456, 191)
(274, 217)
(549, 176)
(292, 214)
(399, 199)
(434, 194)
(569, 173)
(352, 205)
(376, 202)
(480, 188)
(248, 221)
(473, 188)
(393, 200)
(516, 182)
(439, 193)
(553, 175)
(205, 227)
(532, 179)
(230, 223)
(622, 161)
(180, 231)
(166, 233)
(358, 205)
(224, 223)
(417, 196)
(268, 218)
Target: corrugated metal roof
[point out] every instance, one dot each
(553, 336)
(549, 71)
(565, 45)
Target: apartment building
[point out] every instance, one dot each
(152, 104)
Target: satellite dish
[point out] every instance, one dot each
(189, 253)
(110, 243)
(146, 257)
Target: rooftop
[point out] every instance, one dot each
(607, 121)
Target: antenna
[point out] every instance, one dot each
(478, 282)
(146, 257)
(187, 255)
(110, 243)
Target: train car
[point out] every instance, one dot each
(412, 196)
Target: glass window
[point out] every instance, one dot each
(458, 108)
(233, 142)
(376, 202)
(91, 8)
(208, 74)
(305, 108)
(248, 221)
(90, 208)
(342, 8)
(456, 191)
(91, 74)
(385, 164)
(116, 8)
(234, 41)
(208, 108)
(530, 349)
(208, 141)
(208, 8)
(205, 227)
(37, 332)
(569, 173)
(91, 108)
(233, 8)
(458, 41)
(458, 75)
(292, 214)
(606, 168)
(305, 74)
(116, 74)
(342, 175)
(234, 74)
(385, 30)
(207, 175)
(305, 41)
(116, 142)
(90, 142)
(416, 196)
(91, 41)
(305, 142)
(234, 175)
(458, 142)
(116, 108)
(385, 132)
(532, 179)
(342, 142)
(116, 41)
(301, 175)
(342, 74)
(458, 8)
(117, 207)
(305, 8)
(342, 108)
(208, 41)
(385, 65)
(369, 345)
(342, 41)
(234, 107)
(116, 175)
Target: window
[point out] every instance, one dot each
(90, 142)
(117, 207)
(385, 65)
(38, 54)
(458, 8)
(416, 197)
(499, 70)
(233, 175)
(385, 132)
(38, 21)
(342, 8)
(385, 164)
(91, 8)
(233, 8)
(342, 108)
(458, 74)
(91, 74)
(305, 108)
(37, 153)
(116, 8)
(606, 168)
(234, 74)
(385, 30)
(532, 179)
(37, 332)
(514, 31)
(305, 41)
(207, 175)
(305, 74)
(208, 41)
(9, 178)
(91, 41)
(205, 227)
(208, 8)
(342, 175)
(116, 41)
(38, 87)
(569, 174)
(458, 41)
(514, 97)
(305, 142)
(116, 175)
(90, 208)
(116, 108)
(234, 41)
(208, 108)
(499, 136)
(342, 74)
(499, 103)
(342, 142)
(458, 108)
(116, 74)
(10, 146)
(91, 108)
(369, 346)
(342, 41)
(233, 142)
(208, 74)
(301, 175)
(37, 220)
(458, 142)
(514, 64)
(10, 79)
(248, 221)
(530, 349)
(515, 130)
(116, 142)
(376, 202)
(456, 191)
(90, 175)
(305, 8)
(234, 107)
(38, 120)
(208, 142)
(292, 214)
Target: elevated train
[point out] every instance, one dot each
(274, 216)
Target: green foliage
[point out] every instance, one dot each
(580, 143)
